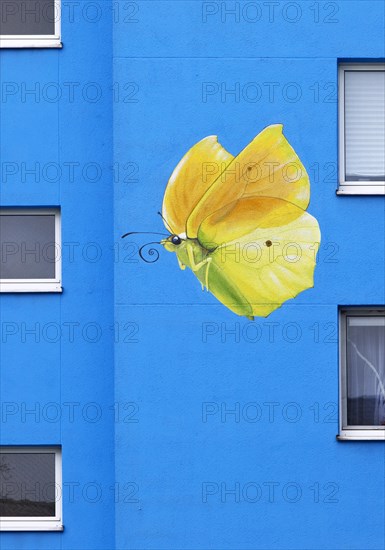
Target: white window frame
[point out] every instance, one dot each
(38, 523)
(346, 432)
(349, 187)
(35, 40)
(36, 285)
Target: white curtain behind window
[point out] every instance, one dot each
(365, 125)
(366, 371)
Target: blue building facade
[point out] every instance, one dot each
(57, 348)
(181, 425)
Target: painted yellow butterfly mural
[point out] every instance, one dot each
(240, 223)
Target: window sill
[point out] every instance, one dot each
(372, 435)
(31, 526)
(30, 287)
(30, 43)
(345, 189)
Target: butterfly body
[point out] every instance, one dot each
(240, 223)
(192, 255)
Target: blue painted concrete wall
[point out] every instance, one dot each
(64, 371)
(222, 431)
(234, 441)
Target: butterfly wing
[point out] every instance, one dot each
(263, 253)
(267, 167)
(194, 174)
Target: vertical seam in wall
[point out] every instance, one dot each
(112, 157)
(61, 295)
(1, 316)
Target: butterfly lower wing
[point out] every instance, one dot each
(190, 180)
(227, 290)
(263, 253)
(267, 167)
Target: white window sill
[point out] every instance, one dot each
(30, 287)
(366, 189)
(30, 43)
(362, 435)
(31, 526)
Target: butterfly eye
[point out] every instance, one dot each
(176, 240)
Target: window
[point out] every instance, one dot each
(30, 251)
(30, 489)
(362, 129)
(30, 24)
(362, 373)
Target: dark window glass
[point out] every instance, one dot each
(27, 246)
(365, 356)
(27, 484)
(35, 17)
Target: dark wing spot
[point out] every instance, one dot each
(268, 243)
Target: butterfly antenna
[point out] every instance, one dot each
(165, 222)
(144, 233)
(150, 255)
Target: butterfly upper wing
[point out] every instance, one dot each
(194, 174)
(267, 167)
(263, 253)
